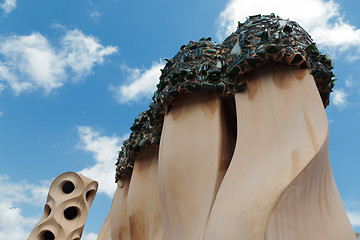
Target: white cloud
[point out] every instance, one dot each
(1, 114)
(5, 74)
(2, 87)
(13, 224)
(89, 236)
(30, 62)
(140, 84)
(352, 84)
(349, 82)
(95, 15)
(83, 52)
(8, 5)
(320, 18)
(23, 191)
(339, 98)
(354, 217)
(105, 151)
(353, 211)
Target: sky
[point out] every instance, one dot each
(74, 75)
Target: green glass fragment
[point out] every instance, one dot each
(313, 50)
(234, 71)
(258, 16)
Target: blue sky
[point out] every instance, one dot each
(74, 75)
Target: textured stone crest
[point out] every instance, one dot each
(210, 68)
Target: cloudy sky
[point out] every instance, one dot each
(74, 75)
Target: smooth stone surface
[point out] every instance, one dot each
(143, 205)
(282, 130)
(193, 158)
(116, 224)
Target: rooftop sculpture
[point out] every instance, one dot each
(209, 68)
(233, 146)
(67, 206)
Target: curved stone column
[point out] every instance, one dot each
(135, 211)
(279, 184)
(116, 224)
(195, 150)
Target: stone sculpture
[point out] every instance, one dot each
(67, 206)
(234, 145)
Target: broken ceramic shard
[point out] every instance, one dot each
(236, 49)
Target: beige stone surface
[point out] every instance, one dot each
(311, 207)
(116, 223)
(135, 211)
(281, 148)
(193, 158)
(253, 168)
(143, 199)
(67, 206)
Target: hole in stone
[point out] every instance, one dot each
(90, 195)
(68, 187)
(47, 210)
(70, 213)
(47, 235)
